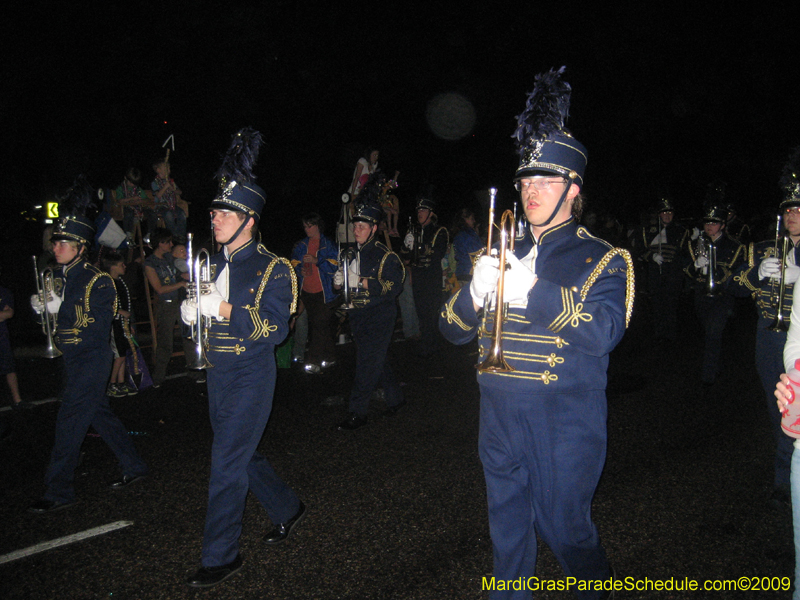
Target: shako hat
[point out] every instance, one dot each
(73, 224)
(237, 188)
(790, 181)
(543, 142)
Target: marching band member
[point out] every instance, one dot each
(85, 307)
(249, 303)
(425, 248)
(713, 305)
(375, 276)
(761, 277)
(542, 438)
(663, 249)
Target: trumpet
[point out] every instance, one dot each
(712, 289)
(779, 323)
(44, 288)
(199, 279)
(494, 361)
(347, 300)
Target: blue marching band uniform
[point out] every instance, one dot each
(663, 249)
(542, 438)
(372, 319)
(769, 343)
(430, 246)
(713, 301)
(261, 289)
(88, 304)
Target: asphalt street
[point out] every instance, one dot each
(397, 509)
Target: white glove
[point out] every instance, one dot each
(409, 241)
(701, 262)
(770, 267)
(209, 303)
(519, 280)
(353, 275)
(792, 274)
(53, 304)
(695, 233)
(484, 278)
(658, 259)
(188, 311)
(338, 278)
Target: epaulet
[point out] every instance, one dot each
(97, 276)
(382, 246)
(276, 260)
(584, 234)
(630, 286)
(436, 235)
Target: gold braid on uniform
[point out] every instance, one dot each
(262, 327)
(451, 315)
(630, 286)
(386, 286)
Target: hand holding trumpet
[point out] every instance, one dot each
(53, 304)
(210, 301)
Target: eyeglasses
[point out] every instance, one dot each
(523, 185)
(792, 209)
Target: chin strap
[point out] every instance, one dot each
(558, 206)
(238, 231)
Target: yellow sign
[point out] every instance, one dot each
(52, 210)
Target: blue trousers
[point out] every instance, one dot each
(713, 312)
(239, 405)
(83, 404)
(769, 364)
(542, 458)
(372, 330)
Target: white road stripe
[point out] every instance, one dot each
(63, 541)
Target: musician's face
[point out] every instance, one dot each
(65, 252)
(423, 216)
(363, 231)
(791, 221)
(712, 229)
(666, 217)
(540, 204)
(225, 223)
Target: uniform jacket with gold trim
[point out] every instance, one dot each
(88, 306)
(384, 273)
(431, 248)
(764, 292)
(677, 235)
(576, 314)
(730, 255)
(262, 289)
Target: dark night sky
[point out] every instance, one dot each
(673, 97)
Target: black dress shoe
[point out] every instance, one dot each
(282, 530)
(210, 576)
(393, 410)
(352, 423)
(125, 481)
(44, 505)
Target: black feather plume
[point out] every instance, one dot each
(546, 110)
(239, 161)
(78, 199)
(790, 177)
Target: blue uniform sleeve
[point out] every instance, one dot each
(458, 320)
(592, 319)
(388, 282)
(267, 320)
(327, 259)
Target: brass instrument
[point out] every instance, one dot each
(44, 289)
(416, 230)
(779, 323)
(347, 300)
(712, 289)
(199, 279)
(494, 361)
